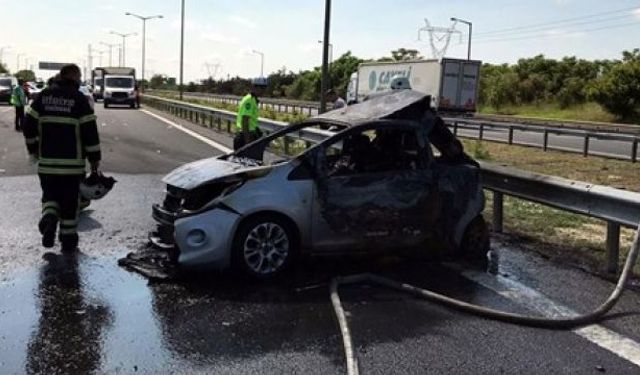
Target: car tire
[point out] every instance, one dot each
(476, 241)
(264, 246)
(106, 105)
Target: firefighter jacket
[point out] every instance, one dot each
(61, 130)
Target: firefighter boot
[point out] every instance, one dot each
(47, 226)
(69, 243)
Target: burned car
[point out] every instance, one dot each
(359, 179)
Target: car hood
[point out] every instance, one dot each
(194, 174)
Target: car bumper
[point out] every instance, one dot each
(120, 100)
(203, 240)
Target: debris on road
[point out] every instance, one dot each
(155, 264)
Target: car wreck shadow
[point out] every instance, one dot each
(223, 315)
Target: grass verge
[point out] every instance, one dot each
(560, 235)
(583, 112)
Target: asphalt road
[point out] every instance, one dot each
(85, 314)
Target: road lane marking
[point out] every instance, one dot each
(202, 138)
(605, 338)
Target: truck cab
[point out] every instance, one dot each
(119, 89)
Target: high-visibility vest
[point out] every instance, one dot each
(18, 98)
(248, 107)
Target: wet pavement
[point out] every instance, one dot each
(84, 314)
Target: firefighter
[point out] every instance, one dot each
(247, 129)
(19, 101)
(61, 133)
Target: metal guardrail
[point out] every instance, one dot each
(279, 105)
(456, 123)
(614, 206)
(511, 128)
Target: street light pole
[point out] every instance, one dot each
(110, 46)
(261, 62)
(468, 23)
(124, 36)
(18, 56)
(144, 27)
(182, 49)
(2, 51)
(325, 56)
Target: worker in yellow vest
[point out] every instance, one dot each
(19, 101)
(247, 129)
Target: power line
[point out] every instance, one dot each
(546, 36)
(549, 27)
(561, 21)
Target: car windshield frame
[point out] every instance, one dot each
(119, 82)
(256, 150)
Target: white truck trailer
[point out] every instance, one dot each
(452, 83)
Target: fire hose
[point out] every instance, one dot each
(485, 312)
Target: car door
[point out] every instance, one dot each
(374, 190)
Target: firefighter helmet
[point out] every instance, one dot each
(96, 186)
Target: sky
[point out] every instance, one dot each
(287, 32)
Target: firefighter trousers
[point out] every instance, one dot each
(60, 197)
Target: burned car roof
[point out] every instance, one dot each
(402, 104)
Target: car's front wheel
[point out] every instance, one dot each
(264, 246)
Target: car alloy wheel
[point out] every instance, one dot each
(266, 248)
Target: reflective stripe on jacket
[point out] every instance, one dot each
(61, 130)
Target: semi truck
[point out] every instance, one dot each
(452, 83)
(118, 85)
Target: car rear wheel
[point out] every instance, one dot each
(475, 240)
(264, 246)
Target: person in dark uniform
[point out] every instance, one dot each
(61, 134)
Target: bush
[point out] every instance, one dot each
(572, 93)
(618, 91)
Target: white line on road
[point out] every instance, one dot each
(616, 343)
(202, 138)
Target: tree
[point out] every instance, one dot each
(618, 91)
(157, 81)
(573, 92)
(403, 54)
(631, 56)
(3, 68)
(341, 71)
(26, 75)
